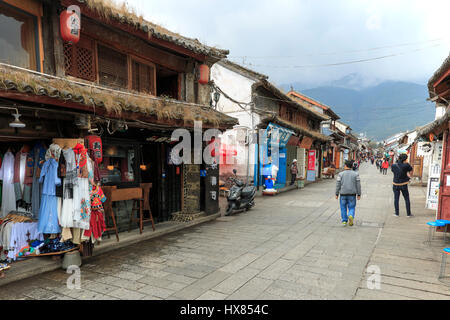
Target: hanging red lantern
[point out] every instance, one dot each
(203, 77)
(70, 24)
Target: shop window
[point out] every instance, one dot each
(144, 78)
(120, 164)
(112, 67)
(80, 59)
(18, 36)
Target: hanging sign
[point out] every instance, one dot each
(312, 160)
(424, 149)
(433, 193)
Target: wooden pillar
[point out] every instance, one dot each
(58, 45)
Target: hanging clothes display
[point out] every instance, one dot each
(48, 212)
(81, 194)
(8, 194)
(35, 162)
(22, 181)
(97, 227)
(68, 208)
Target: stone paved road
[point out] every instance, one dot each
(291, 246)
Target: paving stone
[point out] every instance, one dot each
(125, 294)
(156, 291)
(235, 281)
(212, 295)
(251, 290)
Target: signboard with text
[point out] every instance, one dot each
(312, 160)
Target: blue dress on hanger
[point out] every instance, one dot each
(48, 211)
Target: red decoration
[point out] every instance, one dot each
(70, 25)
(203, 77)
(95, 143)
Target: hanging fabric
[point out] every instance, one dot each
(35, 162)
(8, 194)
(48, 213)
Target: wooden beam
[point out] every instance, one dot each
(58, 45)
(175, 123)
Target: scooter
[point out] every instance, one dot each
(241, 196)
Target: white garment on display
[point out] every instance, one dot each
(7, 175)
(23, 162)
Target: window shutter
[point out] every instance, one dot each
(112, 67)
(80, 59)
(143, 78)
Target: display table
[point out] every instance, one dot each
(113, 195)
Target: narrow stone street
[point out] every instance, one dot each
(291, 246)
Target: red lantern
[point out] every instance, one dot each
(70, 24)
(203, 77)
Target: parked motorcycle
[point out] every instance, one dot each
(241, 196)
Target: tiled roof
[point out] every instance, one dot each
(299, 130)
(439, 73)
(113, 101)
(126, 16)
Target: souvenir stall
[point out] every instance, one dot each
(51, 201)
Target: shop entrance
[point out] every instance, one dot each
(165, 195)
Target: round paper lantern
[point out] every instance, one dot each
(70, 24)
(203, 71)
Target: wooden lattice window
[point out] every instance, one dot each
(112, 67)
(144, 77)
(80, 59)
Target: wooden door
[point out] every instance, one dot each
(337, 158)
(444, 191)
(416, 163)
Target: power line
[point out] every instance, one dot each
(345, 62)
(343, 52)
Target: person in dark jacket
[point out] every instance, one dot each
(402, 175)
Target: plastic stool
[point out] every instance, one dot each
(447, 222)
(433, 225)
(445, 253)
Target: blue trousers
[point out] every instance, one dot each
(348, 205)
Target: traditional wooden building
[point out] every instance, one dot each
(127, 80)
(436, 138)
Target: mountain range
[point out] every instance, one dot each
(377, 108)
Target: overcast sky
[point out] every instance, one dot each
(279, 38)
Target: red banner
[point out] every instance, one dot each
(312, 160)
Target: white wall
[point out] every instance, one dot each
(239, 88)
(440, 110)
(233, 84)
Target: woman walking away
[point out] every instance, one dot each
(402, 174)
(385, 166)
(294, 171)
(348, 186)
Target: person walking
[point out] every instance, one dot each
(385, 166)
(348, 187)
(402, 175)
(294, 171)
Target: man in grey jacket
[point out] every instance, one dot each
(348, 186)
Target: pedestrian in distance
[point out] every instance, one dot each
(402, 175)
(385, 166)
(348, 187)
(294, 171)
